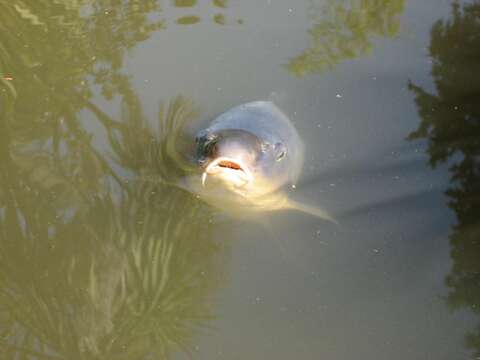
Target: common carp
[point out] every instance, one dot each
(247, 158)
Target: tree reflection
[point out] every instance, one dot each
(345, 30)
(94, 263)
(451, 125)
(189, 8)
(115, 274)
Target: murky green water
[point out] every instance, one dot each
(102, 257)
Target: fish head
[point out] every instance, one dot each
(246, 157)
(231, 156)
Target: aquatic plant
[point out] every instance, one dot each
(97, 261)
(124, 273)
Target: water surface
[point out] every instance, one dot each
(101, 257)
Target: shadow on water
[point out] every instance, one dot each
(451, 126)
(93, 265)
(345, 30)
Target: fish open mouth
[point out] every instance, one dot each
(230, 165)
(230, 170)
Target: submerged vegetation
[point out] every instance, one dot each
(100, 257)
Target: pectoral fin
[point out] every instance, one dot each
(308, 209)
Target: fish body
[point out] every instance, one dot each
(247, 158)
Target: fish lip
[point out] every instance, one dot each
(228, 164)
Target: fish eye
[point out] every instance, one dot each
(204, 136)
(281, 155)
(280, 151)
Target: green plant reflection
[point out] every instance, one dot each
(189, 13)
(107, 274)
(344, 30)
(451, 125)
(100, 258)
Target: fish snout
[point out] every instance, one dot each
(230, 170)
